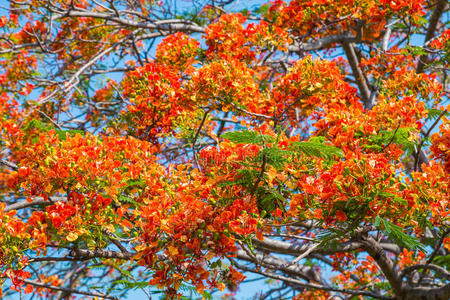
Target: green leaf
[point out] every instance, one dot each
(317, 149)
(326, 235)
(401, 135)
(131, 184)
(373, 147)
(130, 284)
(269, 200)
(377, 221)
(442, 260)
(396, 234)
(434, 113)
(262, 10)
(37, 124)
(275, 156)
(416, 51)
(394, 198)
(135, 183)
(247, 137)
(317, 139)
(398, 136)
(126, 199)
(62, 134)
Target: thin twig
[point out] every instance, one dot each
(305, 254)
(433, 22)
(292, 236)
(416, 156)
(35, 201)
(196, 137)
(8, 164)
(57, 288)
(393, 136)
(252, 114)
(435, 268)
(438, 246)
(310, 285)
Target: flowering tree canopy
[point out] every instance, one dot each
(181, 146)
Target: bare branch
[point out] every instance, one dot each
(311, 285)
(8, 164)
(69, 276)
(296, 250)
(275, 263)
(438, 246)
(57, 288)
(357, 73)
(252, 114)
(435, 268)
(427, 293)
(35, 201)
(171, 26)
(437, 13)
(323, 42)
(419, 149)
(99, 253)
(291, 236)
(306, 253)
(205, 115)
(386, 264)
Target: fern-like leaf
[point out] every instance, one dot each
(247, 137)
(275, 156)
(397, 235)
(317, 149)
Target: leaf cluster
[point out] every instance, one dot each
(271, 154)
(399, 136)
(396, 234)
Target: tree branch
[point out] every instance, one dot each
(419, 149)
(386, 264)
(435, 268)
(357, 73)
(69, 277)
(311, 285)
(57, 288)
(438, 246)
(296, 250)
(35, 201)
(426, 293)
(170, 26)
(8, 164)
(275, 263)
(205, 115)
(323, 42)
(437, 13)
(99, 253)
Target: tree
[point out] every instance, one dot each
(180, 146)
